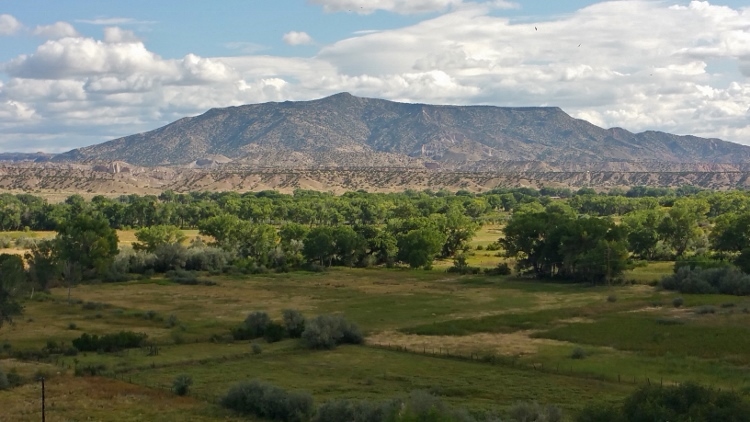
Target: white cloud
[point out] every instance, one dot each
(245, 47)
(56, 31)
(115, 21)
(81, 57)
(9, 25)
(114, 34)
(297, 38)
(365, 7)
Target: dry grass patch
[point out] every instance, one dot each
(512, 344)
(230, 300)
(75, 398)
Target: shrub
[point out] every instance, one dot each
(90, 369)
(72, 326)
(4, 383)
(93, 306)
(678, 302)
(257, 349)
(25, 242)
(704, 310)
(188, 278)
(14, 378)
(329, 331)
(172, 321)
(207, 259)
(170, 256)
(30, 354)
(6, 242)
(343, 410)
(726, 280)
(669, 321)
(578, 353)
(263, 400)
(501, 269)
(703, 262)
(528, 412)
(109, 342)
(253, 327)
(274, 332)
(181, 384)
(460, 266)
(611, 298)
(685, 402)
(294, 322)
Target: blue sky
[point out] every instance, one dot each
(80, 72)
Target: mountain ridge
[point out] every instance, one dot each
(346, 130)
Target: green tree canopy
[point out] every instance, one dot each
(12, 279)
(151, 238)
(87, 241)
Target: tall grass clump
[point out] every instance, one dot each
(181, 384)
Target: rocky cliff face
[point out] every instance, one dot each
(343, 130)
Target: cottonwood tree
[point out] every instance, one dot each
(151, 238)
(12, 280)
(86, 244)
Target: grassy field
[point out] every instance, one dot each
(477, 341)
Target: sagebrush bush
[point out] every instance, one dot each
(725, 280)
(264, 400)
(578, 353)
(256, 347)
(188, 278)
(6, 242)
(253, 327)
(329, 331)
(4, 383)
(294, 322)
(181, 384)
(684, 402)
(90, 369)
(707, 309)
(170, 256)
(678, 301)
(534, 412)
(109, 342)
(209, 259)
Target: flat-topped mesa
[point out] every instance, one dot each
(351, 131)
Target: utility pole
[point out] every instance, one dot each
(43, 416)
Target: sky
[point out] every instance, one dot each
(81, 72)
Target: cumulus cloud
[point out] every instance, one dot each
(81, 57)
(55, 31)
(365, 7)
(114, 34)
(297, 38)
(9, 25)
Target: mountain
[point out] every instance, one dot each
(15, 157)
(344, 130)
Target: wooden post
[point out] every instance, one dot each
(43, 410)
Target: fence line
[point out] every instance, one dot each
(499, 360)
